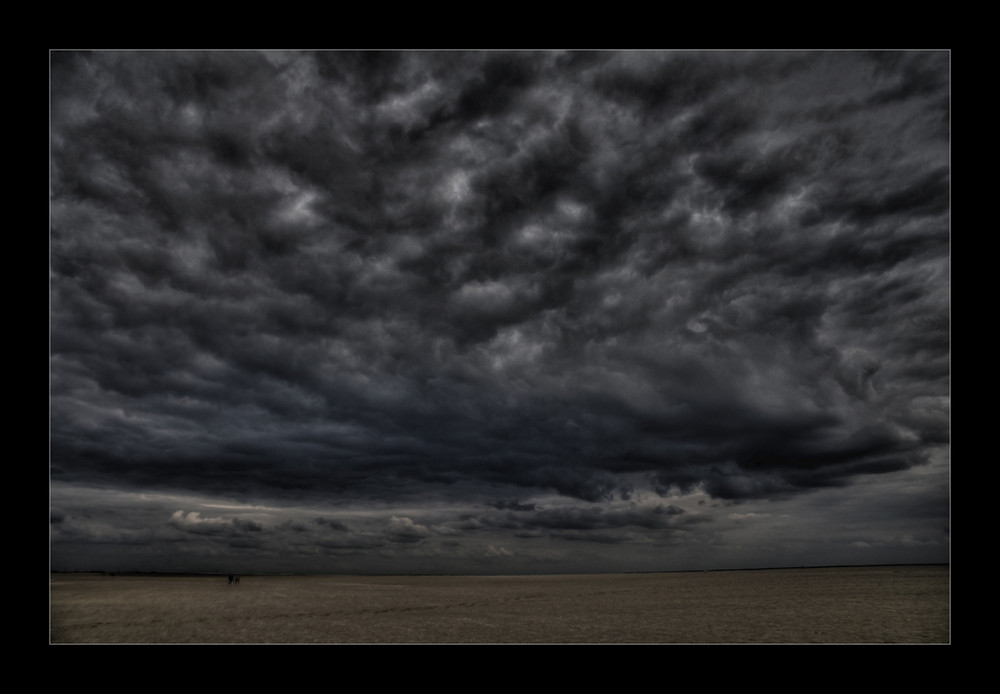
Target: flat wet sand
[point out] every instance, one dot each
(887, 604)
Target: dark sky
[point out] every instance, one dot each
(498, 311)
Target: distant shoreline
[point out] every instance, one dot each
(196, 574)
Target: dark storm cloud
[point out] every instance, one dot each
(366, 275)
(595, 518)
(193, 522)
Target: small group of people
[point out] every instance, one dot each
(234, 579)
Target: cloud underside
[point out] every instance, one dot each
(387, 275)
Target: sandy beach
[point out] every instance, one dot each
(881, 605)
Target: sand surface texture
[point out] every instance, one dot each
(898, 604)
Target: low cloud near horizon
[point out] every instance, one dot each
(498, 311)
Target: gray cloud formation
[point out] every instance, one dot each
(491, 275)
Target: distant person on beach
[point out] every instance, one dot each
(230, 579)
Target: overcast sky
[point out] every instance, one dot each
(498, 312)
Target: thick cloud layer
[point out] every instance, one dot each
(484, 278)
